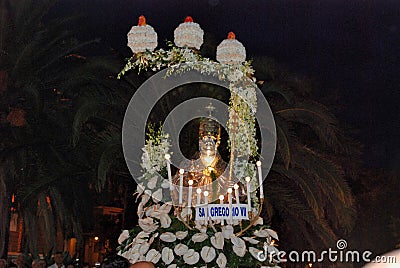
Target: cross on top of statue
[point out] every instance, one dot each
(210, 108)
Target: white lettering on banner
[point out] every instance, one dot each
(222, 212)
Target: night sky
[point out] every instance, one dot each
(352, 48)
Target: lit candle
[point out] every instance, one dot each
(236, 193)
(206, 202)
(221, 201)
(248, 193)
(230, 204)
(198, 191)
(181, 171)
(260, 179)
(190, 182)
(167, 158)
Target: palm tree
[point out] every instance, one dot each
(41, 74)
(309, 198)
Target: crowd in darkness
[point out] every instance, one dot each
(111, 262)
(22, 262)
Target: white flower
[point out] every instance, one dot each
(255, 252)
(240, 251)
(181, 234)
(165, 184)
(144, 248)
(142, 235)
(217, 240)
(157, 195)
(259, 221)
(167, 255)
(140, 188)
(148, 225)
(261, 233)
(221, 260)
(123, 236)
(191, 257)
(172, 266)
(273, 234)
(140, 210)
(251, 240)
(165, 220)
(131, 256)
(153, 256)
(145, 199)
(208, 254)
(168, 237)
(227, 231)
(237, 241)
(199, 237)
(181, 249)
(151, 184)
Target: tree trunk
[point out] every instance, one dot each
(5, 214)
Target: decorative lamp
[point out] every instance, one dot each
(142, 37)
(188, 34)
(231, 51)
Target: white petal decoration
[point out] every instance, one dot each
(165, 220)
(261, 233)
(172, 266)
(199, 237)
(201, 228)
(148, 225)
(145, 199)
(188, 34)
(231, 51)
(237, 241)
(168, 237)
(227, 231)
(153, 256)
(208, 254)
(157, 195)
(142, 37)
(167, 255)
(217, 240)
(255, 252)
(259, 221)
(140, 188)
(272, 233)
(151, 184)
(165, 208)
(221, 260)
(151, 240)
(123, 236)
(181, 249)
(165, 184)
(140, 211)
(191, 257)
(251, 240)
(144, 248)
(131, 256)
(181, 234)
(240, 251)
(142, 235)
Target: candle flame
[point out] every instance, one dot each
(231, 35)
(188, 19)
(142, 21)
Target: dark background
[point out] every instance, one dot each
(351, 48)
